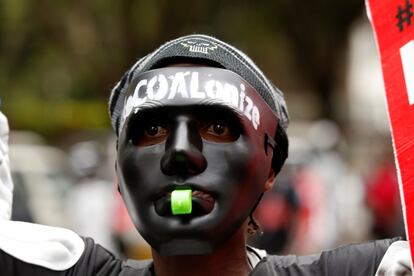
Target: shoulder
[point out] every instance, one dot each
(104, 262)
(353, 259)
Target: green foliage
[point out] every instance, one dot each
(59, 59)
(47, 118)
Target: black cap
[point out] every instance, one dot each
(202, 48)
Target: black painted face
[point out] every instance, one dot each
(212, 148)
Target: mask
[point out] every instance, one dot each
(201, 130)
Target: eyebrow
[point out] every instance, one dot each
(222, 106)
(206, 109)
(153, 105)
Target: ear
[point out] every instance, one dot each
(270, 181)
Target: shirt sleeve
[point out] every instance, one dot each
(350, 260)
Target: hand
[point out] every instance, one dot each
(6, 184)
(396, 261)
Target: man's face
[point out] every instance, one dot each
(212, 150)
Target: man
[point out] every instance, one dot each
(201, 136)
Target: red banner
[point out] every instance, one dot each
(393, 24)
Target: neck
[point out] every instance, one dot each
(229, 259)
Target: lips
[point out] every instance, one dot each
(202, 204)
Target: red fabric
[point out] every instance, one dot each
(393, 23)
(383, 197)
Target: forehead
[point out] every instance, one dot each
(200, 112)
(191, 88)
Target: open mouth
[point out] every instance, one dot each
(202, 204)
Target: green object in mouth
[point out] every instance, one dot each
(181, 202)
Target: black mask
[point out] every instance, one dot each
(200, 129)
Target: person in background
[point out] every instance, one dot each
(91, 200)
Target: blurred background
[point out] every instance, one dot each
(59, 60)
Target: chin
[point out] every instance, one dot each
(176, 247)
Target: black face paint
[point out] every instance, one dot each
(197, 129)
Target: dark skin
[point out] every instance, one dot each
(228, 259)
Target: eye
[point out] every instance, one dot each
(154, 131)
(150, 134)
(220, 131)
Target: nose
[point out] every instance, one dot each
(183, 151)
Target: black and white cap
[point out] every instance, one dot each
(202, 48)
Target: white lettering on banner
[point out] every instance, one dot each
(160, 87)
(407, 59)
(178, 85)
(194, 93)
(157, 88)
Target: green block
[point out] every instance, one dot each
(181, 202)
